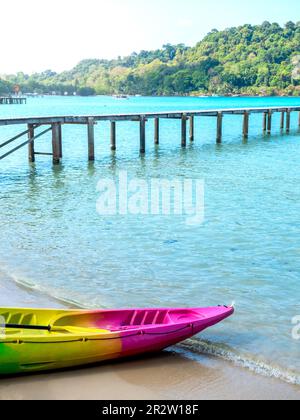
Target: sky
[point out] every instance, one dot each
(37, 35)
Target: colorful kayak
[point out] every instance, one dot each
(37, 340)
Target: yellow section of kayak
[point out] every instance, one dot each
(23, 351)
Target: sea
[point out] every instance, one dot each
(246, 249)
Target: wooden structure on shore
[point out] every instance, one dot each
(12, 100)
(55, 124)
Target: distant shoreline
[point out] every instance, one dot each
(165, 96)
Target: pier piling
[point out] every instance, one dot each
(288, 122)
(219, 127)
(60, 140)
(269, 128)
(56, 143)
(183, 130)
(142, 134)
(246, 125)
(192, 128)
(282, 119)
(31, 156)
(265, 115)
(91, 139)
(113, 144)
(156, 131)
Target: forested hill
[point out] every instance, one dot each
(262, 59)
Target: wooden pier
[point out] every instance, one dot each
(55, 124)
(12, 100)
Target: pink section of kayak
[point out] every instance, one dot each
(153, 330)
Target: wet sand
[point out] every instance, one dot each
(168, 375)
(164, 376)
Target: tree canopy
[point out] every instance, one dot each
(260, 59)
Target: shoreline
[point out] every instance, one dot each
(160, 376)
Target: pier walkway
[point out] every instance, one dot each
(55, 124)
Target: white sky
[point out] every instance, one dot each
(37, 34)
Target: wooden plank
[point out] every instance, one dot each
(55, 144)
(219, 127)
(31, 157)
(14, 138)
(142, 134)
(183, 130)
(192, 128)
(113, 145)
(156, 131)
(91, 139)
(24, 144)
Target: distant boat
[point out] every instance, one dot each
(121, 96)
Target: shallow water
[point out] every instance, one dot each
(246, 251)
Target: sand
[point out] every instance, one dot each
(168, 375)
(164, 376)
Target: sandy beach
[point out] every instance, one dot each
(168, 375)
(164, 376)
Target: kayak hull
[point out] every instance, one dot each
(80, 338)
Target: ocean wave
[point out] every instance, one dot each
(51, 294)
(197, 346)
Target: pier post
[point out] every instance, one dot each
(269, 122)
(31, 156)
(282, 118)
(183, 130)
(91, 139)
(60, 140)
(156, 131)
(192, 128)
(55, 144)
(265, 122)
(113, 145)
(246, 125)
(288, 121)
(142, 134)
(219, 127)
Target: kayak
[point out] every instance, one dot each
(34, 340)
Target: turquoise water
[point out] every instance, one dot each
(247, 250)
